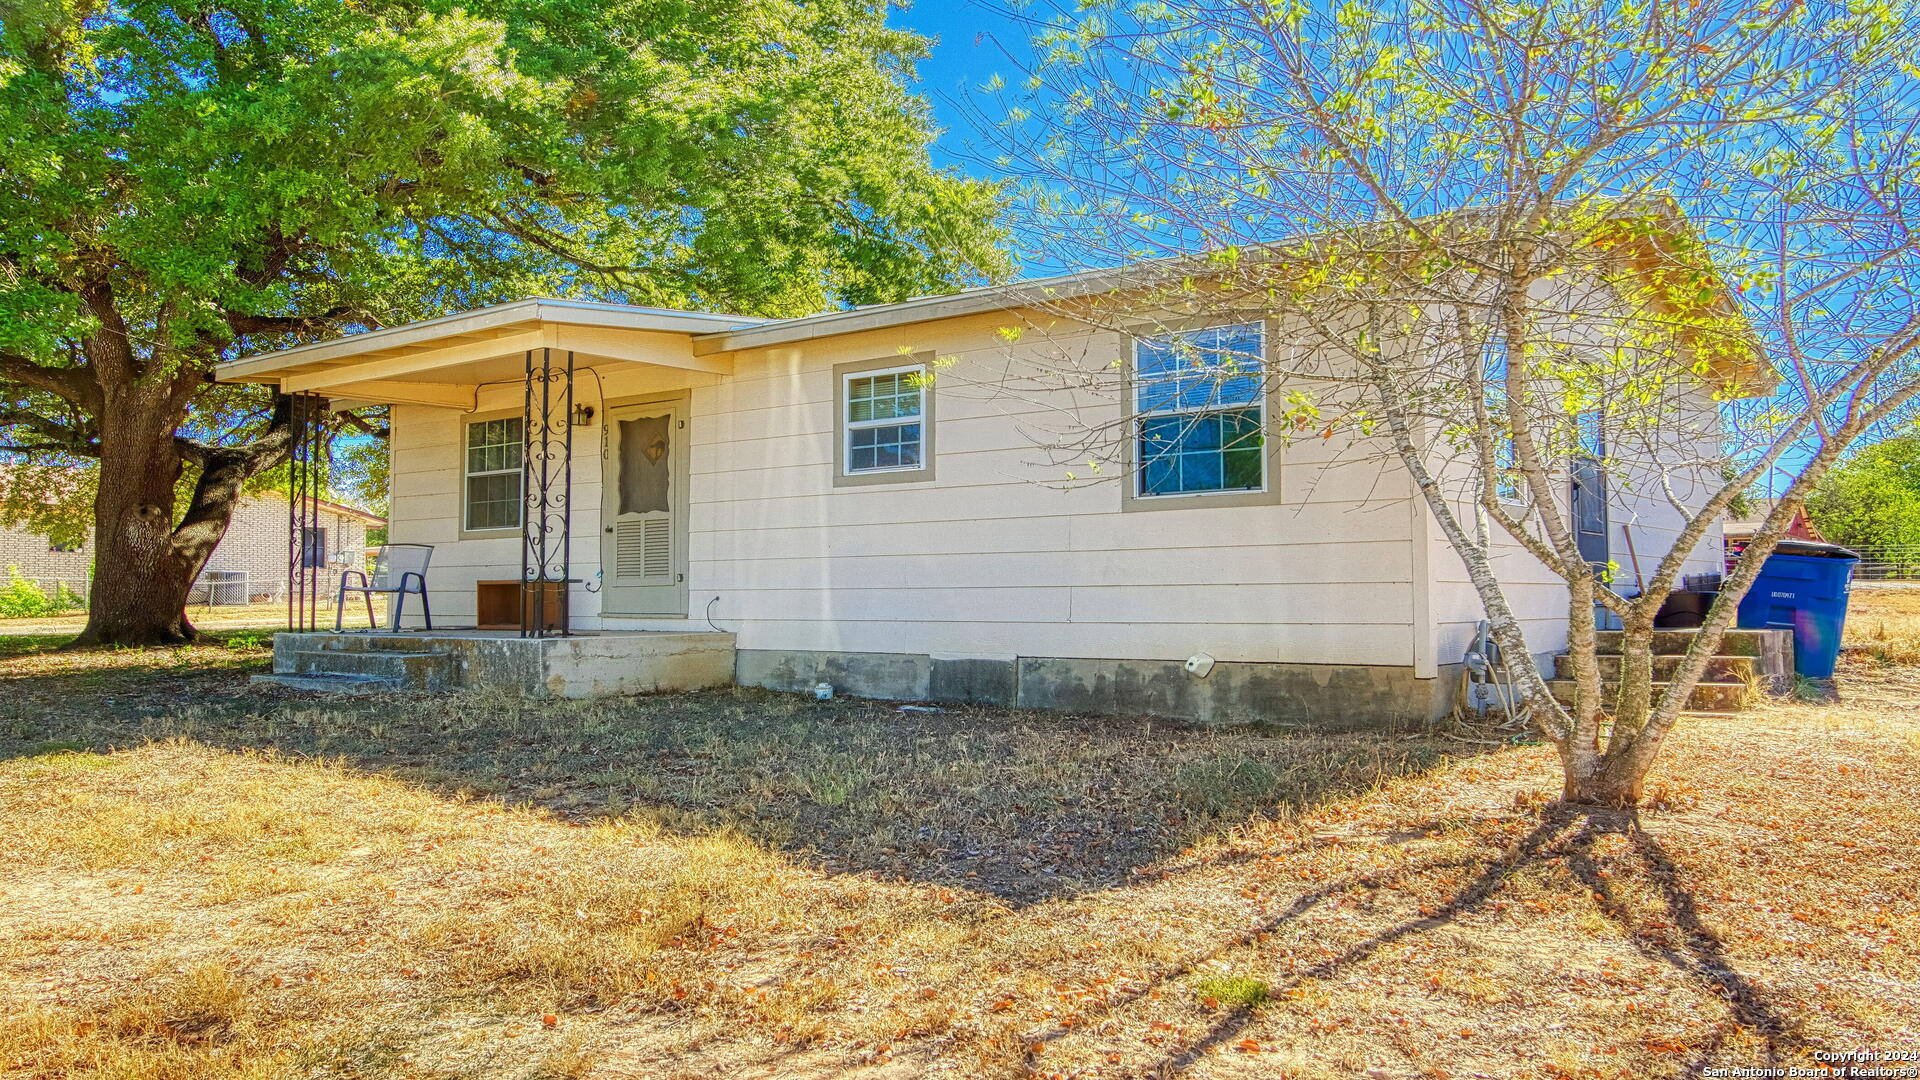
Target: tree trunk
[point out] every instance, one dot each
(148, 552)
(140, 577)
(1616, 785)
(1612, 792)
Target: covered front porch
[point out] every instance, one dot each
(539, 489)
(539, 453)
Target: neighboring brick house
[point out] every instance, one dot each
(39, 560)
(256, 544)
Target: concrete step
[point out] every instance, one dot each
(428, 671)
(1677, 642)
(331, 684)
(1717, 697)
(359, 641)
(1738, 669)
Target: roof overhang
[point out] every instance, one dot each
(439, 361)
(365, 517)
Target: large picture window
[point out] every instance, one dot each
(1199, 396)
(493, 474)
(885, 421)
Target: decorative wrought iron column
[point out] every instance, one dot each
(306, 477)
(546, 517)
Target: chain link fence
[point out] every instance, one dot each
(1888, 562)
(215, 588)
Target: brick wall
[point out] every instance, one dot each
(256, 542)
(36, 560)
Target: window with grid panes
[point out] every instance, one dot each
(493, 474)
(1199, 396)
(884, 420)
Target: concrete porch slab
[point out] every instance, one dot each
(581, 666)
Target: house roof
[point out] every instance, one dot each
(371, 519)
(368, 517)
(480, 324)
(1740, 528)
(617, 330)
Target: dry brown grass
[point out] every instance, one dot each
(214, 905)
(1884, 624)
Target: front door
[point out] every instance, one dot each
(643, 542)
(1590, 510)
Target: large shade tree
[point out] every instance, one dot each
(185, 181)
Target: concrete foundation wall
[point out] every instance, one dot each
(887, 676)
(573, 667)
(1321, 695)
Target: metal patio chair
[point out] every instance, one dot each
(398, 569)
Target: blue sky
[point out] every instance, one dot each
(971, 42)
(970, 46)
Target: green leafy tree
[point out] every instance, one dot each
(187, 181)
(1873, 498)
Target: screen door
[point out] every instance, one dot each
(643, 550)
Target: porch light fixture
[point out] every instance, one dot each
(583, 416)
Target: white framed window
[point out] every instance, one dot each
(1199, 396)
(885, 420)
(491, 497)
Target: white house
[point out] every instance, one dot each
(815, 491)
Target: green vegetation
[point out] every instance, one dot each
(187, 182)
(1873, 498)
(1233, 990)
(21, 598)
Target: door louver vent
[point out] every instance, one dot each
(658, 560)
(644, 548)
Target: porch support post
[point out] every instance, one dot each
(306, 476)
(546, 517)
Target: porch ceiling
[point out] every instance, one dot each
(442, 361)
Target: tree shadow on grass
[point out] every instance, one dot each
(39, 677)
(1023, 806)
(1699, 953)
(1565, 834)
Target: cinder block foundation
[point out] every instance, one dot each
(1320, 695)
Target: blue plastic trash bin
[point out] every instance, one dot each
(1803, 588)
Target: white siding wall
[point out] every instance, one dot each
(986, 561)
